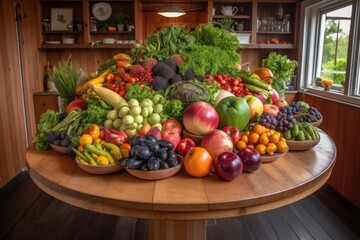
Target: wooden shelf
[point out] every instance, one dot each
(270, 46)
(233, 17)
(270, 32)
(85, 46)
(113, 32)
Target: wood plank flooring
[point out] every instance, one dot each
(28, 213)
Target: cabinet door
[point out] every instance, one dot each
(44, 102)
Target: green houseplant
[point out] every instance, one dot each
(123, 19)
(282, 68)
(226, 23)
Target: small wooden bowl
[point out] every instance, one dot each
(271, 158)
(302, 145)
(99, 169)
(317, 123)
(196, 138)
(157, 174)
(58, 148)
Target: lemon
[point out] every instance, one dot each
(102, 160)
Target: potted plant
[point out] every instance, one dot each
(226, 23)
(282, 69)
(123, 19)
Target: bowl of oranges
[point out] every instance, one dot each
(268, 142)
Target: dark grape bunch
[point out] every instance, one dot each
(282, 122)
(313, 115)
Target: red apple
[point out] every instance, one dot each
(255, 105)
(77, 104)
(155, 131)
(274, 95)
(250, 158)
(184, 146)
(260, 96)
(281, 103)
(228, 165)
(272, 109)
(233, 132)
(216, 142)
(174, 124)
(171, 135)
(200, 118)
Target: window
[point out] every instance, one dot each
(330, 48)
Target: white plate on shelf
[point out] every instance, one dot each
(102, 11)
(52, 42)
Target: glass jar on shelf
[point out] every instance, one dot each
(93, 26)
(46, 25)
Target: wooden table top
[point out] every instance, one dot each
(182, 197)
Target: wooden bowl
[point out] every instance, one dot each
(271, 158)
(99, 169)
(196, 138)
(58, 148)
(302, 145)
(317, 123)
(157, 174)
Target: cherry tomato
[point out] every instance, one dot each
(109, 76)
(85, 139)
(132, 80)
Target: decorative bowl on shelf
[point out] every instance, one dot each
(157, 174)
(302, 145)
(58, 148)
(271, 158)
(99, 169)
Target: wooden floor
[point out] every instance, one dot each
(28, 213)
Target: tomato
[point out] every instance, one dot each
(125, 76)
(109, 76)
(198, 162)
(125, 149)
(102, 134)
(85, 139)
(94, 131)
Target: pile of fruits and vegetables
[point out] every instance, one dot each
(178, 93)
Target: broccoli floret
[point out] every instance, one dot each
(159, 83)
(189, 74)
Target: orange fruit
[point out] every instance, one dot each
(271, 148)
(261, 148)
(264, 139)
(85, 139)
(281, 146)
(198, 162)
(254, 137)
(274, 138)
(258, 129)
(94, 131)
(246, 133)
(240, 144)
(80, 148)
(244, 138)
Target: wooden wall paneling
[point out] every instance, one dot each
(341, 122)
(12, 120)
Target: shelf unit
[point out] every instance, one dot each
(255, 11)
(82, 12)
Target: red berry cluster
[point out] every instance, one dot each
(229, 83)
(119, 82)
(145, 76)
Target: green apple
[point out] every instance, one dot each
(151, 109)
(123, 111)
(145, 112)
(144, 103)
(233, 111)
(128, 119)
(154, 118)
(159, 125)
(133, 125)
(139, 119)
(133, 102)
(157, 98)
(135, 111)
(117, 123)
(158, 108)
(108, 123)
(123, 127)
(131, 132)
(120, 104)
(112, 114)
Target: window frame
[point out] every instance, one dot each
(311, 19)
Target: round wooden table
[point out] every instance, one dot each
(177, 207)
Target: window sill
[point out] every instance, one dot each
(332, 95)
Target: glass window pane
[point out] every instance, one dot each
(335, 45)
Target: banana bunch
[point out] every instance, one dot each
(302, 132)
(99, 154)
